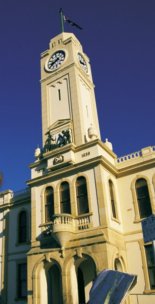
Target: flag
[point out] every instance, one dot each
(66, 19)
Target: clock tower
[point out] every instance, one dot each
(68, 101)
(83, 209)
(67, 180)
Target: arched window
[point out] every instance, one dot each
(143, 198)
(81, 195)
(22, 227)
(118, 265)
(49, 204)
(65, 198)
(112, 199)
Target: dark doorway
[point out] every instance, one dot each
(54, 285)
(81, 291)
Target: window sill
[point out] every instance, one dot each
(115, 220)
(149, 291)
(84, 214)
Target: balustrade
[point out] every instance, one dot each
(129, 157)
(83, 222)
(64, 219)
(132, 155)
(69, 223)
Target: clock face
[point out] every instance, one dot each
(55, 61)
(82, 62)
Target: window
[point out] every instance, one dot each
(65, 198)
(112, 199)
(118, 265)
(22, 227)
(81, 195)
(59, 94)
(143, 198)
(22, 280)
(150, 257)
(49, 204)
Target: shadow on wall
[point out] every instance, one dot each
(47, 240)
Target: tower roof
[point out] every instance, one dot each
(65, 38)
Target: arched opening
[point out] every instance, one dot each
(49, 284)
(22, 227)
(81, 195)
(86, 273)
(54, 285)
(65, 198)
(112, 199)
(143, 198)
(49, 204)
(118, 265)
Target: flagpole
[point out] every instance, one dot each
(62, 20)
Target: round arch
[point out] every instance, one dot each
(80, 271)
(113, 198)
(119, 263)
(42, 197)
(42, 276)
(85, 175)
(134, 195)
(23, 235)
(58, 188)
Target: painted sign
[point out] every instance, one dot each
(111, 286)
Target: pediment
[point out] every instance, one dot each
(59, 124)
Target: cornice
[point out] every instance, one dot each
(70, 169)
(135, 168)
(65, 70)
(72, 147)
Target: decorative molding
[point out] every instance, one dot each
(58, 159)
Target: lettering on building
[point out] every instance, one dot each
(85, 154)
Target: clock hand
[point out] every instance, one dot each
(56, 60)
(53, 62)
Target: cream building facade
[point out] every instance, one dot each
(82, 210)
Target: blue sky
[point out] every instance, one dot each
(119, 38)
